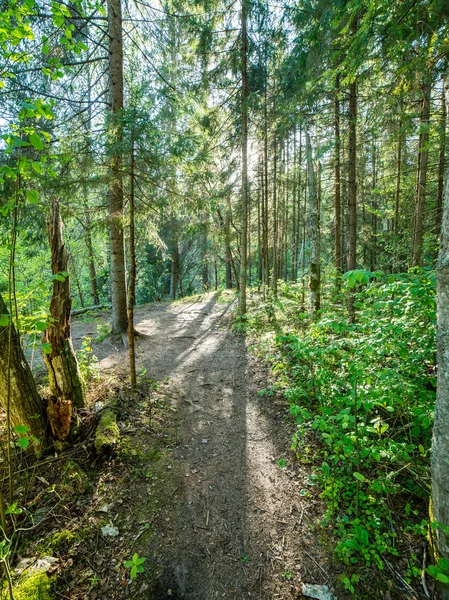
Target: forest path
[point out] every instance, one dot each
(238, 526)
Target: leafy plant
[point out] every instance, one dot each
(135, 564)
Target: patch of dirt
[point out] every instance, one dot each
(235, 524)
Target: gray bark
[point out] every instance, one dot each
(439, 511)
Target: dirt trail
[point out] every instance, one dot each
(239, 526)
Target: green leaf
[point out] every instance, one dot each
(47, 348)
(133, 572)
(443, 564)
(21, 429)
(359, 476)
(23, 442)
(32, 196)
(442, 577)
(37, 167)
(4, 320)
(36, 141)
(41, 325)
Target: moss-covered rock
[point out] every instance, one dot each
(74, 478)
(107, 435)
(35, 586)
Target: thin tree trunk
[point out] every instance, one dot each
(265, 211)
(66, 384)
(439, 508)
(295, 216)
(175, 265)
(421, 182)
(91, 261)
(259, 227)
(244, 205)
(118, 269)
(204, 257)
(314, 234)
(275, 220)
(373, 249)
(441, 167)
(352, 187)
(132, 276)
(337, 203)
(398, 187)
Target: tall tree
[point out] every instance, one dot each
(116, 201)
(439, 513)
(244, 203)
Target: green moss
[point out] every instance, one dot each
(108, 433)
(61, 541)
(36, 586)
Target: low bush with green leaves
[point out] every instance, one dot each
(364, 393)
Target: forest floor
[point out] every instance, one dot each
(202, 484)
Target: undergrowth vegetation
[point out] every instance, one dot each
(365, 392)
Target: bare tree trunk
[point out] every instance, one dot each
(116, 238)
(441, 167)
(337, 203)
(294, 242)
(398, 186)
(25, 405)
(66, 384)
(244, 205)
(259, 227)
(439, 508)
(204, 257)
(275, 220)
(132, 276)
(421, 180)
(91, 260)
(314, 234)
(175, 267)
(266, 259)
(373, 249)
(352, 187)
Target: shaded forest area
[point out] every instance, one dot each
(267, 184)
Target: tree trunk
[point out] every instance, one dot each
(275, 220)
(441, 167)
(421, 182)
(204, 257)
(174, 275)
(132, 276)
(398, 187)
(373, 248)
(25, 405)
(66, 384)
(337, 203)
(352, 188)
(266, 259)
(439, 509)
(116, 238)
(244, 205)
(314, 234)
(91, 259)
